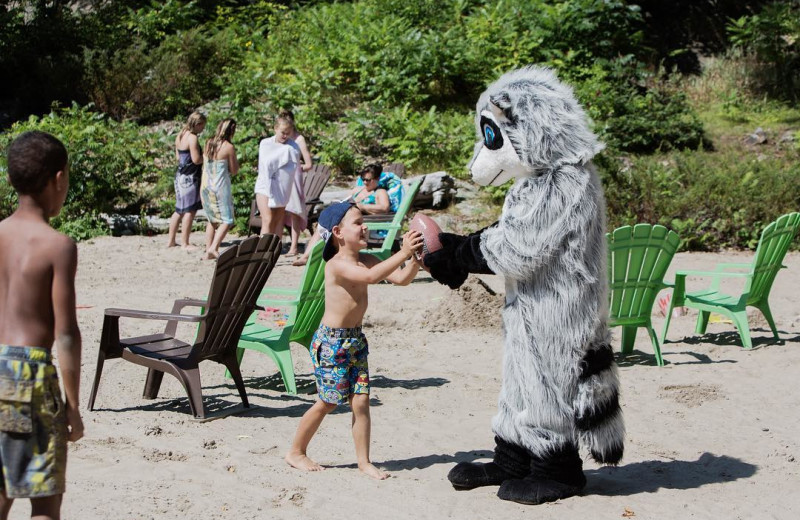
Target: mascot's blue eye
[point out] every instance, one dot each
(488, 136)
(492, 137)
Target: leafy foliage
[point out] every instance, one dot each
(772, 35)
(113, 166)
(636, 112)
(393, 81)
(711, 199)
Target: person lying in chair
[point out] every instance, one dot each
(376, 193)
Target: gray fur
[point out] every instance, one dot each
(550, 245)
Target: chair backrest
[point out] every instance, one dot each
(397, 168)
(312, 297)
(240, 275)
(402, 210)
(638, 259)
(315, 181)
(772, 247)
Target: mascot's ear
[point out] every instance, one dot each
(500, 105)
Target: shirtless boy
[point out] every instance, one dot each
(339, 348)
(37, 309)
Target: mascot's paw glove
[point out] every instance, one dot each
(551, 477)
(510, 462)
(459, 256)
(443, 265)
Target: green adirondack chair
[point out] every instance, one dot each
(384, 251)
(306, 303)
(638, 259)
(758, 278)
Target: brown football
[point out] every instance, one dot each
(430, 234)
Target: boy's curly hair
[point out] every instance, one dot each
(34, 158)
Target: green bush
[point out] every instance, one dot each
(113, 166)
(635, 112)
(712, 200)
(147, 84)
(772, 36)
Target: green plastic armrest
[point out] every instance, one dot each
(712, 274)
(278, 303)
(735, 265)
(382, 226)
(278, 290)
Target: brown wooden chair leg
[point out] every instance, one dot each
(101, 358)
(236, 374)
(191, 382)
(153, 383)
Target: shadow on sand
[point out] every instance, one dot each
(426, 461)
(223, 403)
(651, 475)
(637, 357)
(630, 479)
(727, 338)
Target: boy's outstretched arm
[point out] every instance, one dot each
(408, 272)
(67, 334)
(376, 271)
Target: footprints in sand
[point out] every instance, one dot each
(691, 395)
(294, 496)
(159, 455)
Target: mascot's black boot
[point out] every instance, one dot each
(554, 476)
(510, 462)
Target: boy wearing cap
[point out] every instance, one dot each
(339, 349)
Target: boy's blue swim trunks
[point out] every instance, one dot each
(340, 363)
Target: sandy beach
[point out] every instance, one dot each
(713, 434)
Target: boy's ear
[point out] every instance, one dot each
(61, 179)
(336, 231)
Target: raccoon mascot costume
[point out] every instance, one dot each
(560, 385)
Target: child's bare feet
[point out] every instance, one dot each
(301, 461)
(372, 471)
(171, 244)
(210, 255)
(300, 261)
(188, 247)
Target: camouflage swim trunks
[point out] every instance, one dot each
(33, 426)
(340, 363)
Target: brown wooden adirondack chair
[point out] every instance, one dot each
(314, 182)
(239, 277)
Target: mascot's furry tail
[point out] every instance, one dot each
(598, 417)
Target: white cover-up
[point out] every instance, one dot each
(277, 168)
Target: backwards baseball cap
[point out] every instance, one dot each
(330, 217)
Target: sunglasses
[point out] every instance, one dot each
(367, 179)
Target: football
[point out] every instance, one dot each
(430, 234)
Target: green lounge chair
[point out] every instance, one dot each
(306, 304)
(384, 249)
(638, 259)
(758, 278)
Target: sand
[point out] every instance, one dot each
(713, 434)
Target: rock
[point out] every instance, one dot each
(788, 137)
(757, 137)
(437, 191)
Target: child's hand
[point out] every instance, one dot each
(74, 424)
(412, 242)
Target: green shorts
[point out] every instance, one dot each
(33, 425)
